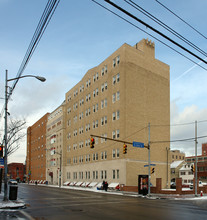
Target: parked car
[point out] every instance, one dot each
(200, 184)
(12, 182)
(173, 185)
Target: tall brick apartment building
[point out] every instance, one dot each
(117, 99)
(36, 150)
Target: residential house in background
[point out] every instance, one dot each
(16, 171)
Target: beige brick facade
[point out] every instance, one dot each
(55, 140)
(117, 99)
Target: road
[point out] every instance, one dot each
(59, 204)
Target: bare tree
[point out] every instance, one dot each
(15, 133)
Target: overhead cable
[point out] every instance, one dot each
(172, 31)
(154, 29)
(148, 34)
(181, 19)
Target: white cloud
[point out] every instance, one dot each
(187, 118)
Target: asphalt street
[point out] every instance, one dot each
(54, 203)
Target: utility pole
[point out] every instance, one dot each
(167, 167)
(149, 161)
(196, 160)
(5, 141)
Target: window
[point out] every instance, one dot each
(113, 134)
(89, 82)
(102, 121)
(102, 88)
(94, 78)
(114, 62)
(117, 115)
(105, 68)
(97, 107)
(105, 171)
(102, 71)
(106, 86)
(113, 97)
(114, 174)
(105, 102)
(114, 80)
(117, 174)
(117, 134)
(97, 91)
(117, 153)
(102, 104)
(102, 155)
(97, 76)
(105, 119)
(94, 93)
(113, 153)
(113, 116)
(118, 77)
(105, 155)
(117, 96)
(118, 60)
(94, 124)
(97, 123)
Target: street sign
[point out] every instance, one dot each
(1, 161)
(138, 144)
(150, 165)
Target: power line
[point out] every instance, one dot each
(149, 34)
(172, 31)
(41, 27)
(181, 19)
(154, 29)
(179, 140)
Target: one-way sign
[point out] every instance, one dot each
(138, 144)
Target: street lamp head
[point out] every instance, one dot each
(42, 79)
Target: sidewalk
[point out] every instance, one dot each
(135, 194)
(10, 204)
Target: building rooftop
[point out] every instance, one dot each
(176, 163)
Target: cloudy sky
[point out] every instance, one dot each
(80, 36)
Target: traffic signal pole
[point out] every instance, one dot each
(196, 160)
(149, 161)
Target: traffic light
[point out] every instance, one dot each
(92, 143)
(1, 150)
(152, 170)
(192, 168)
(124, 149)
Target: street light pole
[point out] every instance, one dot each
(5, 141)
(60, 174)
(5, 128)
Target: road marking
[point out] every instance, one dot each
(29, 217)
